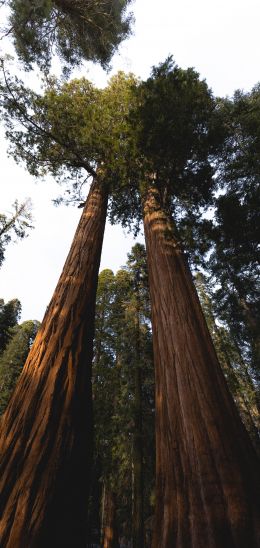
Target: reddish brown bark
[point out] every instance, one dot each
(207, 476)
(110, 533)
(46, 432)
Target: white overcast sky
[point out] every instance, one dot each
(220, 39)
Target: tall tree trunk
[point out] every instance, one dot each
(138, 487)
(46, 432)
(109, 525)
(207, 488)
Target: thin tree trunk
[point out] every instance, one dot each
(109, 525)
(138, 487)
(253, 326)
(46, 432)
(245, 409)
(251, 321)
(207, 488)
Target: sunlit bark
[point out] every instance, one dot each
(46, 432)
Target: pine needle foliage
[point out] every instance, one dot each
(73, 30)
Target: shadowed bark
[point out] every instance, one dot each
(207, 475)
(46, 432)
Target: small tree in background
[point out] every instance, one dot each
(123, 395)
(241, 384)
(9, 315)
(14, 357)
(235, 233)
(15, 225)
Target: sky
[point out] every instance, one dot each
(219, 39)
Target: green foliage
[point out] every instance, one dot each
(236, 371)
(72, 129)
(15, 225)
(172, 119)
(127, 128)
(235, 233)
(72, 29)
(122, 320)
(174, 114)
(13, 358)
(168, 132)
(9, 316)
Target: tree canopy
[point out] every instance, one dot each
(76, 125)
(202, 153)
(73, 125)
(235, 232)
(73, 30)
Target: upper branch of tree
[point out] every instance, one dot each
(15, 225)
(29, 122)
(73, 30)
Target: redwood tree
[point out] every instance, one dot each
(109, 525)
(207, 474)
(52, 401)
(46, 431)
(206, 469)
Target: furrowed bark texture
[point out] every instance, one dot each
(46, 432)
(207, 475)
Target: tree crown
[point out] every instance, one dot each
(72, 29)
